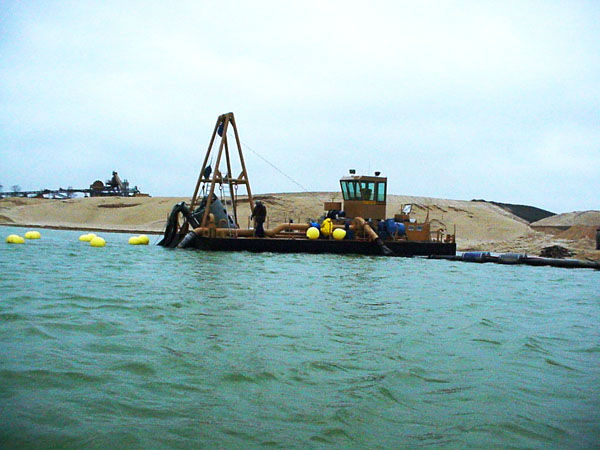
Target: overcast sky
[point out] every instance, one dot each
(462, 100)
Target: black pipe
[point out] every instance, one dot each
(188, 240)
(385, 250)
(525, 260)
(171, 236)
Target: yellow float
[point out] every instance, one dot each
(142, 239)
(312, 233)
(87, 237)
(97, 241)
(339, 234)
(33, 235)
(14, 239)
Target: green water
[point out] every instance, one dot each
(142, 347)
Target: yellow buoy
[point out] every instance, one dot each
(135, 240)
(33, 235)
(326, 227)
(87, 237)
(312, 233)
(14, 239)
(339, 234)
(97, 241)
(144, 240)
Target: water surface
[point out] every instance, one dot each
(143, 347)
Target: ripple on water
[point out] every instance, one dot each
(97, 328)
(326, 366)
(239, 377)
(38, 331)
(486, 341)
(557, 364)
(43, 378)
(113, 348)
(12, 317)
(535, 345)
(135, 368)
(332, 436)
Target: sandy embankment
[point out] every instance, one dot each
(133, 214)
(479, 225)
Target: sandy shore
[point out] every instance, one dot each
(479, 225)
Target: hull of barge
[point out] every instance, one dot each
(284, 245)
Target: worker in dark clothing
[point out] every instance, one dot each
(259, 214)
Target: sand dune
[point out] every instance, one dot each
(588, 218)
(479, 225)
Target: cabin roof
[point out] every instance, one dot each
(363, 178)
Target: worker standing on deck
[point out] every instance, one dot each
(259, 214)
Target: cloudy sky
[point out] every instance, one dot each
(463, 100)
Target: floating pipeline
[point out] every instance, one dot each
(519, 258)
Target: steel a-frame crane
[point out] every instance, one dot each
(211, 176)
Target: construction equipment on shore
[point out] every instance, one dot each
(113, 187)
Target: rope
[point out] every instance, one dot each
(306, 191)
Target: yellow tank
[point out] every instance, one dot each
(326, 227)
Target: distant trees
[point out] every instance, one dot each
(16, 188)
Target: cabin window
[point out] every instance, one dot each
(350, 190)
(344, 190)
(381, 192)
(363, 190)
(367, 190)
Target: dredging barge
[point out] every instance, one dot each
(358, 225)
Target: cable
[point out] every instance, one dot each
(282, 172)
